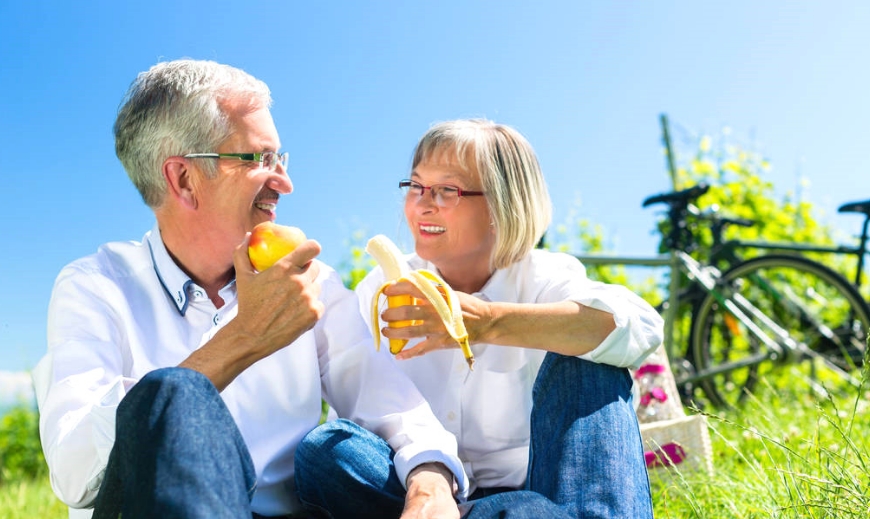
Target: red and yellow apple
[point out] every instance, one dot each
(271, 242)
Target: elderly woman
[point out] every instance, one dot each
(545, 422)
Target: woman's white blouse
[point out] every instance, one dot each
(488, 409)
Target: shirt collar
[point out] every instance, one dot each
(175, 282)
(501, 286)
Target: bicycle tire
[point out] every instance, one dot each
(803, 297)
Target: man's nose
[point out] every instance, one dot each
(280, 181)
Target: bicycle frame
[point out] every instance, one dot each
(707, 277)
(859, 251)
(779, 343)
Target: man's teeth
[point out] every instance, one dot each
(432, 228)
(265, 207)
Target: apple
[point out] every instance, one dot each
(271, 242)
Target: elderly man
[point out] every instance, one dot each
(179, 381)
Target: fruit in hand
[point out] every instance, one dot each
(271, 242)
(437, 292)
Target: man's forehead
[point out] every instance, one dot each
(252, 126)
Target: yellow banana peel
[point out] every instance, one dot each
(436, 291)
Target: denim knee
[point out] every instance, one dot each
(321, 440)
(580, 379)
(348, 471)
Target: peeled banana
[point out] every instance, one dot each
(437, 292)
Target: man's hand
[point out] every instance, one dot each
(430, 493)
(276, 306)
(281, 303)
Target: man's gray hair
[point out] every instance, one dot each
(175, 108)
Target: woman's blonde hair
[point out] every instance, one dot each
(516, 194)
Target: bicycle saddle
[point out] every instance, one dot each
(856, 207)
(681, 197)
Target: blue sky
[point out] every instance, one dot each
(356, 83)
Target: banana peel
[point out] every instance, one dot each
(436, 291)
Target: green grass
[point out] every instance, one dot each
(781, 456)
(25, 499)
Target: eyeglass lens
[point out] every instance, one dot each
(444, 195)
(271, 159)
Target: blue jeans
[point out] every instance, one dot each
(177, 453)
(346, 471)
(585, 459)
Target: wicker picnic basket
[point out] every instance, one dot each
(673, 441)
(682, 444)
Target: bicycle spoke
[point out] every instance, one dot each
(833, 366)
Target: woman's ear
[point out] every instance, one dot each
(180, 184)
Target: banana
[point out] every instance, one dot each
(438, 293)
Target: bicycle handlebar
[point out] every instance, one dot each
(676, 198)
(680, 236)
(856, 207)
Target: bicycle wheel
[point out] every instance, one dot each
(824, 317)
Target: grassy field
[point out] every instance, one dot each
(24, 499)
(782, 456)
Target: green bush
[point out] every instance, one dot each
(354, 267)
(20, 449)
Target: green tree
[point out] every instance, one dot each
(739, 188)
(358, 263)
(20, 449)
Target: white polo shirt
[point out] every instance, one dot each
(129, 309)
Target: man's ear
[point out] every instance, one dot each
(180, 183)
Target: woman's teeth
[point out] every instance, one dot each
(432, 228)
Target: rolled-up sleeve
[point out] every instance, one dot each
(639, 327)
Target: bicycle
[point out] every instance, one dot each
(780, 318)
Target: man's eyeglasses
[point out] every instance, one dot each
(445, 195)
(267, 159)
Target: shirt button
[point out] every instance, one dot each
(451, 416)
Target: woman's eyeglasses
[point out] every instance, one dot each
(445, 195)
